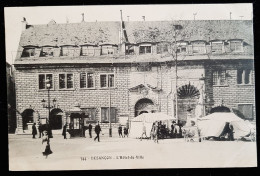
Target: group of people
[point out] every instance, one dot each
(45, 133)
(41, 128)
(120, 131)
(97, 130)
(176, 130)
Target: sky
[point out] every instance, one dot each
(72, 14)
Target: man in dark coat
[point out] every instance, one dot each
(90, 130)
(34, 130)
(97, 131)
(64, 131)
(120, 130)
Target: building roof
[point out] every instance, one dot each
(157, 31)
(100, 33)
(71, 34)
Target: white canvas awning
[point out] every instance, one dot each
(152, 117)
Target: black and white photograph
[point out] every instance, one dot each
(98, 87)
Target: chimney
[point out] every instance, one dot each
(82, 17)
(121, 15)
(24, 24)
(143, 18)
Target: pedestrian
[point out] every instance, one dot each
(231, 132)
(90, 130)
(152, 132)
(40, 130)
(156, 131)
(176, 130)
(143, 131)
(34, 130)
(172, 129)
(46, 149)
(64, 131)
(125, 131)
(120, 130)
(97, 131)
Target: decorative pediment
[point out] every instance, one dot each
(143, 88)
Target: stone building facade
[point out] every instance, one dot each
(129, 68)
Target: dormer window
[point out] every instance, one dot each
(236, 45)
(108, 50)
(145, 49)
(88, 50)
(69, 50)
(162, 48)
(198, 47)
(182, 47)
(47, 51)
(216, 46)
(28, 52)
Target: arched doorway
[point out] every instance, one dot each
(144, 105)
(56, 119)
(220, 109)
(27, 118)
(188, 96)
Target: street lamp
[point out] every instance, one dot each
(48, 85)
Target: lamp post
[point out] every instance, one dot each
(48, 85)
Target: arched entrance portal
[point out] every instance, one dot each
(144, 105)
(56, 119)
(188, 96)
(220, 109)
(27, 117)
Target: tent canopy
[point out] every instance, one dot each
(152, 117)
(213, 124)
(222, 116)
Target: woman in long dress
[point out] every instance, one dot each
(46, 150)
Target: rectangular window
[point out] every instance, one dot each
(69, 81)
(145, 49)
(105, 114)
(103, 80)
(216, 47)
(86, 80)
(219, 77)
(83, 82)
(44, 79)
(28, 52)
(91, 112)
(66, 81)
(107, 80)
(236, 46)
(88, 51)
(90, 80)
(244, 76)
(47, 51)
(246, 110)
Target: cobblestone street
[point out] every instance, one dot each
(127, 153)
